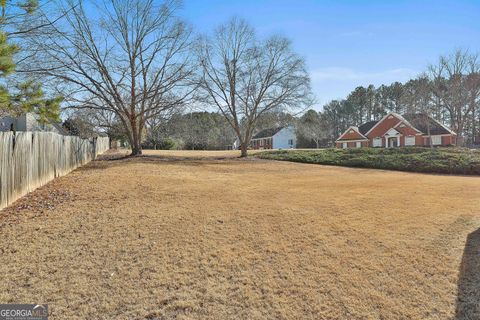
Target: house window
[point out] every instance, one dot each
(409, 140)
(436, 140)
(351, 131)
(290, 142)
(377, 142)
(344, 145)
(358, 144)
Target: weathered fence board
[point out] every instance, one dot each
(29, 160)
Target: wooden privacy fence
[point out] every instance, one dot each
(29, 160)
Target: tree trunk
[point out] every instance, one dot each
(243, 148)
(429, 134)
(460, 138)
(474, 126)
(136, 139)
(136, 149)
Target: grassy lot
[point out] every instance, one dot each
(176, 235)
(437, 160)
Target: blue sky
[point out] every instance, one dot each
(352, 43)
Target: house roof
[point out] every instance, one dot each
(60, 128)
(57, 125)
(348, 130)
(364, 128)
(388, 115)
(267, 133)
(423, 121)
(420, 122)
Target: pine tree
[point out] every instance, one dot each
(26, 96)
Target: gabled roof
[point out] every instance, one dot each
(396, 115)
(405, 124)
(348, 130)
(391, 131)
(418, 121)
(57, 125)
(267, 133)
(60, 128)
(422, 122)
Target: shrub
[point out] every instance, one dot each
(415, 159)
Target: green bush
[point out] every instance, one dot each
(437, 160)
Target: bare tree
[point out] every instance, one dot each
(133, 61)
(421, 100)
(314, 126)
(245, 77)
(456, 84)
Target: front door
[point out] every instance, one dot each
(392, 142)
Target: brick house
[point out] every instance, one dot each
(394, 130)
(275, 138)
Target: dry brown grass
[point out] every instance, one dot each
(197, 154)
(168, 237)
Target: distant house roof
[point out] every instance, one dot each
(31, 122)
(57, 125)
(61, 129)
(352, 130)
(419, 121)
(364, 128)
(423, 121)
(267, 133)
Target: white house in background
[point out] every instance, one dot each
(275, 138)
(29, 122)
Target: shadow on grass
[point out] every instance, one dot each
(468, 295)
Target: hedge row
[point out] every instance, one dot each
(437, 160)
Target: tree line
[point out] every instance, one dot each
(202, 130)
(133, 64)
(134, 69)
(448, 91)
(192, 131)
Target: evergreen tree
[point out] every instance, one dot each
(26, 96)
